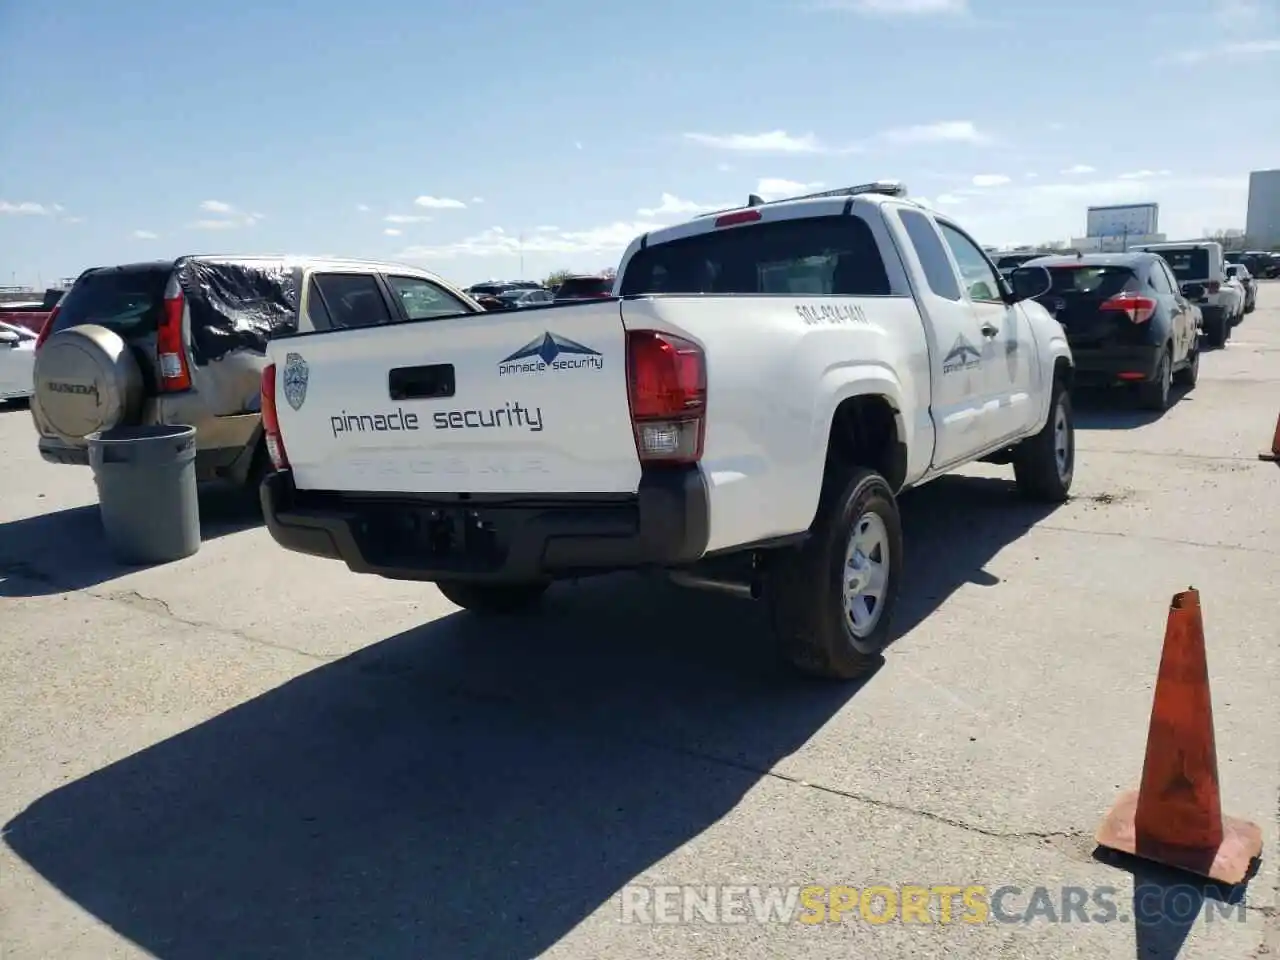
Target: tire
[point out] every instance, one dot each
(813, 621)
(1189, 374)
(1154, 394)
(1044, 465)
(501, 599)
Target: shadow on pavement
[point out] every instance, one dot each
(67, 549)
(1168, 904)
(1116, 408)
(952, 528)
(473, 787)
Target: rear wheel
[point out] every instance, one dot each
(1154, 394)
(493, 598)
(1045, 464)
(832, 600)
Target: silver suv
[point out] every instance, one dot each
(183, 342)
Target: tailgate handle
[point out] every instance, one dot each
(421, 383)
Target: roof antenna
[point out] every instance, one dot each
(754, 201)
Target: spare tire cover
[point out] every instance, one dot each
(87, 379)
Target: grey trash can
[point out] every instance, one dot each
(146, 479)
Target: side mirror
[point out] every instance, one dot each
(1193, 291)
(9, 339)
(1028, 283)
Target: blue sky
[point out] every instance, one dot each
(458, 134)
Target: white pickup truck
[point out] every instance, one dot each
(741, 415)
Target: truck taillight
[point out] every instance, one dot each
(170, 349)
(47, 328)
(271, 420)
(667, 388)
(1139, 309)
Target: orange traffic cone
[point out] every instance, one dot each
(1175, 817)
(1274, 453)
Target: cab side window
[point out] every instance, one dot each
(423, 300)
(980, 279)
(352, 299)
(317, 314)
(938, 272)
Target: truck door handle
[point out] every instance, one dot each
(989, 331)
(431, 382)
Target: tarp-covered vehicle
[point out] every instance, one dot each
(184, 342)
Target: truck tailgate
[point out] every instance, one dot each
(531, 401)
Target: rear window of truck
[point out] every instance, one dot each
(126, 300)
(803, 257)
(1187, 263)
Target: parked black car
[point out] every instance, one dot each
(1263, 265)
(1126, 320)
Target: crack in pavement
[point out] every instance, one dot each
(160, 608)
(1048, 837)
(1155, 539)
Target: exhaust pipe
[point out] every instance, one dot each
(751, 590)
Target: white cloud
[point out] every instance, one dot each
(781, 142)
(947, 131)
(1033, 176)
(406, 218)
(775, 188)
(229, 217)
(1240, 15)
(673, 206)
(577, 144)
(146, 235)
(477, 199)
(896, 7)
(496, 242)
(392, 232)
(773, 141)
(950, 199)
(73, 219)
(1225, 51)
(1078, 170)
(1143, 174)
(440, 203)
(724, 168)
(362, 207)
(546, 229)
(990, 180)
(25, 208)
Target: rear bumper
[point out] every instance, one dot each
(494, 538)
(1119, 364)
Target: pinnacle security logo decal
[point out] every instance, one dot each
(551, 352)
(509, 416)
(296, 372)
(963, 356)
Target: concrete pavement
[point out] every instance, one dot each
(254, 754)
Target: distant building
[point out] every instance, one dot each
(1113, 229)
(1262, 223)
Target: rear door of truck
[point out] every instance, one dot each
(530, 401)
